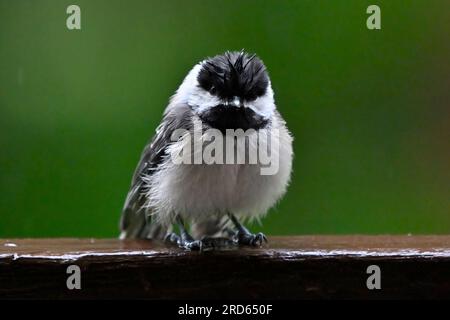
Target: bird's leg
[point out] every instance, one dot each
(245, 237)
(184, 240)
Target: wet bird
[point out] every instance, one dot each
(231, 91)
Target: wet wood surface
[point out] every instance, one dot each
(298, 267)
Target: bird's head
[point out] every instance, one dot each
(229, 91)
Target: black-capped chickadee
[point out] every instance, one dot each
(226, 95)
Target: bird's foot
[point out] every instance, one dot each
(218, 243)
(205, 244)
(246, 238)
(187, 243)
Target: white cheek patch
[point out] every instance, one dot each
(188, 86)
(264, 105)
(202, 100)
(190, 93)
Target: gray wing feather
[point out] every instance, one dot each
(136, 218)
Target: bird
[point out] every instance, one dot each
(231, 91)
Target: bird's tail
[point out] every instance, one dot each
(136, 221)
(141, 227)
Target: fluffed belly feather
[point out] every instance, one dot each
(198, 192)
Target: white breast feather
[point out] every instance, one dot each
(199, 191)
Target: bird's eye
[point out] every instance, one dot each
(213, 90)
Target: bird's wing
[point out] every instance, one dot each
(136, 220)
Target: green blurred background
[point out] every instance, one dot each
(369, 109)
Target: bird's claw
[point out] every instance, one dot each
(218, 243)
(189, 244)
(196, 245)
(250, 239)
(207, 243)
(172, 238)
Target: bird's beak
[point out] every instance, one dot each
(237, 103)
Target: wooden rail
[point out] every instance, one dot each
(297, 267)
